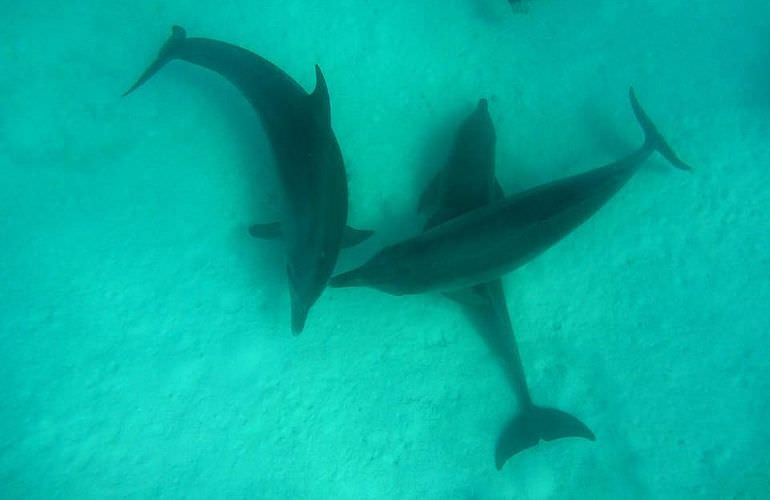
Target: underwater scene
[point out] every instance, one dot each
(306, 249)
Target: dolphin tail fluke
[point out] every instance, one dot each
(653, 139)
(165, 55)
(534, 424)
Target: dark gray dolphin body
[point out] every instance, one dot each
(468, 182)
(487, 242)
(311, 171)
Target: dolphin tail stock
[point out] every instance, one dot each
(653, 139)
(533, 424)
(166, 53)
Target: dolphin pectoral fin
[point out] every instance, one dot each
(536, 423)
(352, 236)
(272, 230)
(268, 231)
(166, 53)
(652, 137)
(430, 196)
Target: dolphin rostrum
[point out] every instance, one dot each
(311, 172)
(468, 182)
(483, 244)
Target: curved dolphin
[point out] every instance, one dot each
(468, 182)
(487, 242)
(311, 171)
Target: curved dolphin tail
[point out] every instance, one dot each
(166, 53)
(652, 138)
(533, 424)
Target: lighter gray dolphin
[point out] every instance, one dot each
(483, 244)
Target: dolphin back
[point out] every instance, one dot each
(177, 38)
(533, 424)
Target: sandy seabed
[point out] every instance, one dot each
(145, 348)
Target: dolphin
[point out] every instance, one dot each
(483, 244)
(518, 5)
(311, 172)
(467, 182)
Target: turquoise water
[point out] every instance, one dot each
(145, 348)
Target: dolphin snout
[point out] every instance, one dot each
(349, 278)
(298, 317)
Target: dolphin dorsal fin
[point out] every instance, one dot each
(320, 96)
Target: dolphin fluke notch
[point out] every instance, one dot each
(652, 138)
(166, 53)
(533, 424)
